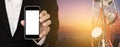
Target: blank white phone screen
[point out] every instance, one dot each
(32, 22)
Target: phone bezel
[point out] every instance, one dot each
(30, 37)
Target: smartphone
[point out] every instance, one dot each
(32, 29)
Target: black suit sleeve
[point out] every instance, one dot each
(52, 8)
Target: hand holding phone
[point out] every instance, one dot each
(43, 21)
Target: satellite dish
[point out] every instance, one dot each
(96, 32)
(111, 18)
(105, 2)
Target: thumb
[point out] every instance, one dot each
(22, 22)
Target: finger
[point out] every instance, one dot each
(44, 18)
(22, 22)
(44, 32)
(43, 13)
(48, 29)
(47, 23)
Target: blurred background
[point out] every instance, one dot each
(75, 18)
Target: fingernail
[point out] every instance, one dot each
(22, 22)
(44, 12)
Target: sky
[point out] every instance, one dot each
(75, 18)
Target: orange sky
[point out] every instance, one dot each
(75, 14)
(75, 18)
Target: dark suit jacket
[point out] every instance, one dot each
(6, 40)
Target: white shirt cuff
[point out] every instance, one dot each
(40, 42)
